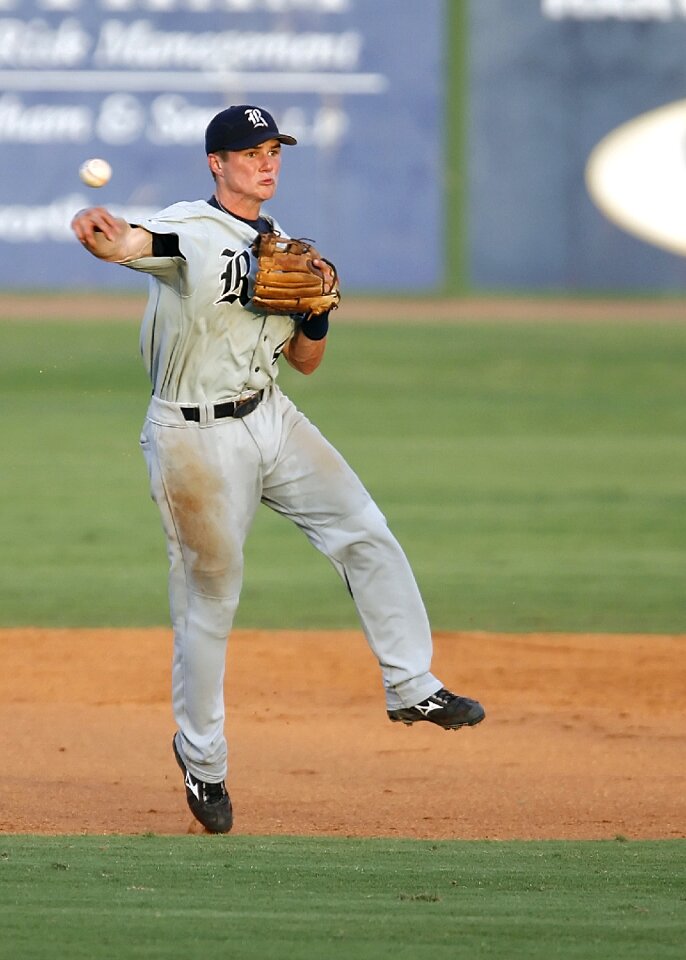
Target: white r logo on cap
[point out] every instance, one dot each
(256, 118)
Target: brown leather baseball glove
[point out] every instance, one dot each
(287, 280)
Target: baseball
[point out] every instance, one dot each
(95, 172)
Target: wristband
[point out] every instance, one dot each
(316, 328)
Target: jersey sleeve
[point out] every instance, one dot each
(176, 238)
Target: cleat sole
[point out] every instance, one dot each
(454, 726)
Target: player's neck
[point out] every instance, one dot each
(241, 206)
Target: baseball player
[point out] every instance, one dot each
(220, 437)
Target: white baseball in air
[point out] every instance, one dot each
(95, 172)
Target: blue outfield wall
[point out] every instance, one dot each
(366, 86)
(359, 82)
(547, 80)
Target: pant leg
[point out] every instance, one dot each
(310, 482)
(206, 482)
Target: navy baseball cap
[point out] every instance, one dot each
(240, 127)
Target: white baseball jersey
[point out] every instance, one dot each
(201, 341)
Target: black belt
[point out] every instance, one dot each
(232, 408)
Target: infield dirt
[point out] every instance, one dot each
(102, 305)
(584, 737)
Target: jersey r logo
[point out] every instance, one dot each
(235, 277)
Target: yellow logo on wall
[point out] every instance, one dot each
(636, 176)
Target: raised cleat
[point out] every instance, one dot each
(443, 708)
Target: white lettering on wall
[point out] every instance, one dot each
(43, 123)
(34, 43)
(169, 120)
(21, 223)
(174, 121)
(325, 130)
(121, 119)
(194, 6)
(140, 45)
(613, 9)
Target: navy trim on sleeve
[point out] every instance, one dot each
(165, 245)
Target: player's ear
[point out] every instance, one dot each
(214, 163)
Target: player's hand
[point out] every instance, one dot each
(327, 273)
(87, 223)
(110, 238)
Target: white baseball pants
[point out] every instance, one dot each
(208, 479)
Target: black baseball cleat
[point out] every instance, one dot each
(443, 708)
(209, 802)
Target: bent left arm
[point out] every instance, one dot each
(305, 350)
(304, 353)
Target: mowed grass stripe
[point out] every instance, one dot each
(533, 473)
(305, 898)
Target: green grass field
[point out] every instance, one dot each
(534, 474)
(310, 899)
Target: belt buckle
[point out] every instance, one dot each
(243, 407)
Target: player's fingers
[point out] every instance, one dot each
(327, 273)
(88, 222)
(104, 222)
(82, 225)
(78, 223)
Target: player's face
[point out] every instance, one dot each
(248, 176)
